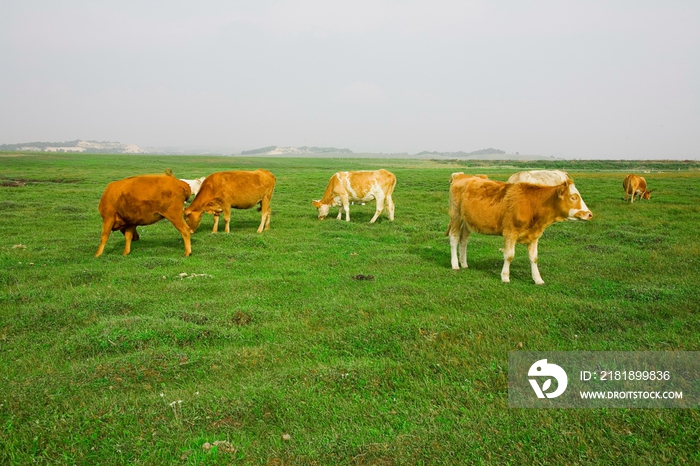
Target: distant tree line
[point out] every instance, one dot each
(262, 150)
(40, 145)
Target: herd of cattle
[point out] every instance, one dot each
(519, 209)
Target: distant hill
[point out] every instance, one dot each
(92, 147)
(274, 150)
(489, 151)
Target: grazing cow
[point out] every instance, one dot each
(359, 186)
(541, 177)
(519, 212)
(636, 185)
(238, 189)
(143, 200)
(194, 184)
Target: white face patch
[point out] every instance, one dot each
(323, 211)
(581, 213)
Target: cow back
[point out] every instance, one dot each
(241, 189)
(540, 177)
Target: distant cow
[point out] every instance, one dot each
(143, 200)
(636, 185)
(358, 186)
(519, 212)
(194, 184)
(238, 189)
(541, 177)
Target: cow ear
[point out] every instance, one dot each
(316, 204)
(563, 190)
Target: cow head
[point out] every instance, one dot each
(323, 209)
(646, 195)
(192, 218)
(572, 202)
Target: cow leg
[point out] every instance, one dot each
(346, 205)
(378, 209)
(390, 206)
(266, 212)
(183, 228)
(216, 222)
(227, 218)
(106, 231)
(129, 233)
(532, 254)
(508, 254)
(463, 240)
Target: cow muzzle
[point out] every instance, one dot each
(583, 215)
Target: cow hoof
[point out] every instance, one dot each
(541, 282)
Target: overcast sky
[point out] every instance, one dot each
(579, 79)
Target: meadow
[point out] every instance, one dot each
(268, 344)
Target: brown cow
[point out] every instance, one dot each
(358, 186)
(236, 189)
(635, 185)
(519, 212)
(143, 200)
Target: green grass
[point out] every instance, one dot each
(274, 336)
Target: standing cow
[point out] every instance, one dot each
(519, 212)
(635, 185)
(238, 189)
(358, 186)
(143, 200)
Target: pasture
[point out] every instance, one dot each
(268, 342)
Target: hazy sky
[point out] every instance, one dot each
(580, 79)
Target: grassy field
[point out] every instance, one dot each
(271, 348)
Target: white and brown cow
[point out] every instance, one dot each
(635, 185)
(194, 184)
(358, 186)
(237, 189)
(519, 212)
(540, 177)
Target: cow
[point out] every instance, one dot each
(635, 185)
(519, 212)
(143, 200)
(194, 184)
(540, 177)
(357, 186)
(237, 189)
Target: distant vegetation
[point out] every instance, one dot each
(262, 150)
(39, 145)
(633, 166)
